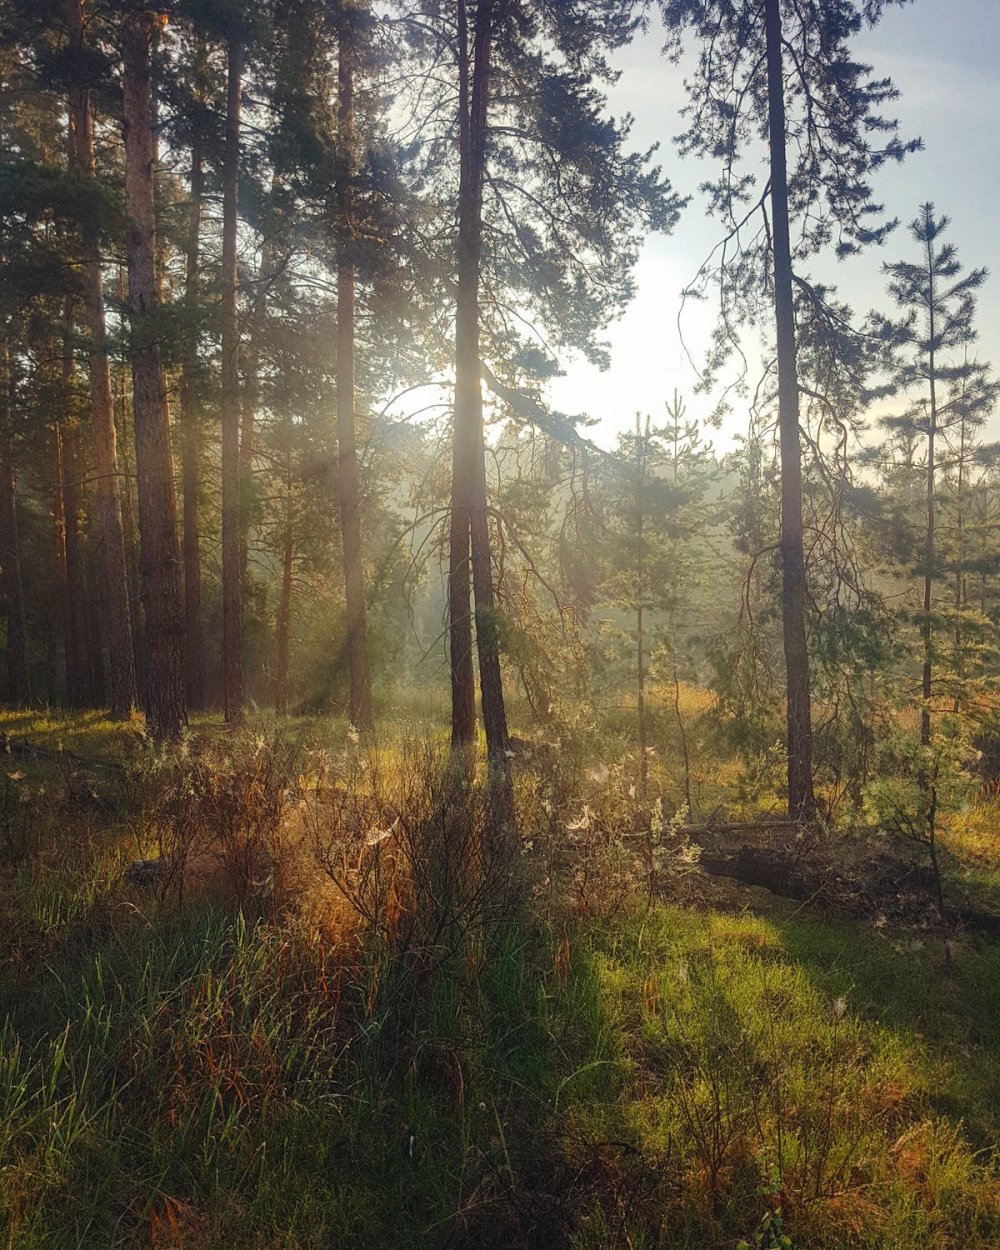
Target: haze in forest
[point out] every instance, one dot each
(455, 792)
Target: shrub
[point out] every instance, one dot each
(421, 854)
(215, 813)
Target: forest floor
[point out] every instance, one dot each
(661, 1058)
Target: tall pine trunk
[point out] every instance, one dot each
(159, 549)
(95, 631)
(469, 506)
(126, 441)
(77, 675)
(960, 574)
(463, 689)
(801, 801)
(58, 517)
(349, 489)
(926, 626)
(10, 553)
(250, 401)
(123, 689)
(65, 510)
(283, 625)
(194, 669)
(641, 444)
(232, 573)
(121, 385)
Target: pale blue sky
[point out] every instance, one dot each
(943, 56)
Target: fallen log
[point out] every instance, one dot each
(869, 889)
(773, 870)
(741, 826)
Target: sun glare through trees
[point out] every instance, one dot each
(447, 799)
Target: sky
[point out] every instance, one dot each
(943, 56)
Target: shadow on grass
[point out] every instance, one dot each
(188, 1077)
(901, 982)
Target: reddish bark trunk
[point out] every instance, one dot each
(232, 573)
(123, 686)
(248, 411)
(470, 513)
(77, 676)
(349, 491)
(191, 450)
(801, 801)
(10, 555)
(159, 549)
(66, 526)
(125, 428)
(96, 632)
(58, 517)
(463, 694)
(283, 629)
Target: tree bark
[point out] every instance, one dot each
(65, 511)
(283, 629)
(469, 511)
(124, 695)
(194, 669)
(463, 691)
(232, 573)
(250, 397)
(159, 550)
(77, 679)
(961, 589)
(10, 555)
(58, 516)
(249, 402)
(93, 614)
(121, 383)
(349, 489)
(801, 801)
(641, 445)
(126, 440)
(926, 627)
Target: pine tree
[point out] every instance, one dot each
(546, 175)
(123, 687)
(191, 439)
(939, 301)
(469, 515)
(42, 206)
(817, 103)
(160, 552)
(11, 585)
(659, 518)
(232, 570)
(975, 394)
(349, 32)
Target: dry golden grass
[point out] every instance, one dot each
(975, 833)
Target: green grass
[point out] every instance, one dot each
(259, 1087)
(810, 1066)
(191, 1076)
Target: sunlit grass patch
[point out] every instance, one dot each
(771, 1073)
(90, 731)
(91, 734)
(971, 840)
(974, 834)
